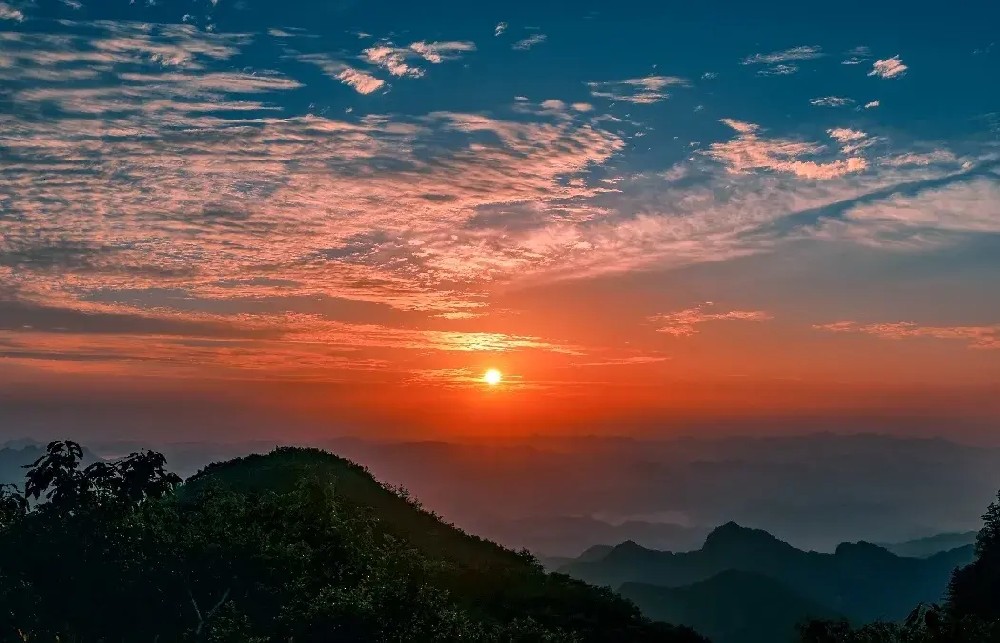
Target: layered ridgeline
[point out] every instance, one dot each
(746, 586)
(298, 545)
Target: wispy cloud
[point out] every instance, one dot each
(529, 42)
(888, 68)
(749, 152)
(684, 323)
(872, 104)
(804, 52)
(643, 91)
(500, 29)
(831, 101)
(982, 337)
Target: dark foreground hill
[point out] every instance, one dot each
(295, 546)
(860, 580)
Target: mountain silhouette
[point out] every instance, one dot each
(862, 581)
(924, 547)
(483, 577)
(731, 607)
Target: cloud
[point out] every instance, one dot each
(778, 70)
(781, 63)
(164, 182)
(788, 55)
(888, 68)
(851, 141)
(845, 135)
(831, 101)
(8, 12)
(398, 61)
(981, 337)
(872, 104)
(529, 42)
(641, 91)
(749, 152)
(684, 323)
(500, 29)
(856, 56)
(967, 206)
(438, 52)
(393, 59)
(362, 83)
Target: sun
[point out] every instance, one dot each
(492, 377)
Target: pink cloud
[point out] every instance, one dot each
(981, 337)
(684, 323)
(888, 68)
(749, 152)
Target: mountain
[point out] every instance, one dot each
(298, 544)
(924, 547)
(731, 607)
(567, 535)
(482, 576)
(595, 552)
(862, 581)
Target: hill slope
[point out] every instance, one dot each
(484, 579)
(860, 580)
(731, 607)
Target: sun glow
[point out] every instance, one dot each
(492, 377)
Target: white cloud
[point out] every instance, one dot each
(888, 68)
(529, 42)
(872, 104)
(8, 12)
(437, 52)
(788, 55)
(831, 101)
(778, 70)
(500, 29)
(636, 90)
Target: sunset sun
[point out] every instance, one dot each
(492, 377)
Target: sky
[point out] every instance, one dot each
(222, 217)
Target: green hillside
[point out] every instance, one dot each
(296, 546)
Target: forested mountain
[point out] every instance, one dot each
(298, 545)
(859, 580)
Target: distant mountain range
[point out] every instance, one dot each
(924, 547)
(747, 586)
(731, 607)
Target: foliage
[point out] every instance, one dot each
(295, 546)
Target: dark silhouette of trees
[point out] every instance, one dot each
(296, 546)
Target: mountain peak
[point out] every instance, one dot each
(732, 535)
